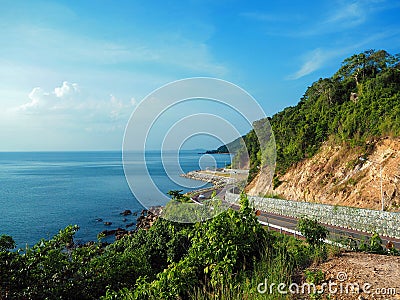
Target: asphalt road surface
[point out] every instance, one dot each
(335, 233)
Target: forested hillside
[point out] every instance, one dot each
(231, 147)
(360, 102)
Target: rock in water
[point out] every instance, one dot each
(126, 212)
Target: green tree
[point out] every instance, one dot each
(314, 233)
(177, 195)
(6, 243)
(325, 111)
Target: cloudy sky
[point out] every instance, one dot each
(72, 72)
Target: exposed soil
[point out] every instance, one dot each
(336, 176)
(373, 276)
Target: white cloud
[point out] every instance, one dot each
(168, 48)
(313, 62)
(74, 104)
(117, 107)
(341, 15)
(349, 15)
(35, 96)
(66, 89)
(57, 100)
(318, 58)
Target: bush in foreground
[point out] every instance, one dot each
(225, 257)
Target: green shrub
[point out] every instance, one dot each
(314, 233)
(314, 276)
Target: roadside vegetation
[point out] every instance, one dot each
(223, 258)
(226, 257)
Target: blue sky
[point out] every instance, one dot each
(72, 72)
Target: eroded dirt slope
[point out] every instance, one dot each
(336, 176)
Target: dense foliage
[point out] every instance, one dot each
(360, 102)
(314, 233)
(229, 254)
(231, 147)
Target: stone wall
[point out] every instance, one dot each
(383, 222)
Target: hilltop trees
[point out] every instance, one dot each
(366, 65)
(361, 101)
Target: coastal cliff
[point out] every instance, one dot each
(336, 175)
(319, 141)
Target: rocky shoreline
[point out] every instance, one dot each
(210, 176)
(147, 217)
(144, 221)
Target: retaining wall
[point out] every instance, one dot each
(383, 222)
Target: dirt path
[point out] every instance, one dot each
(373, 276)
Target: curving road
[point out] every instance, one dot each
(288, 225)
(280, 223)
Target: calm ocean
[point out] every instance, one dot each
(43, 192)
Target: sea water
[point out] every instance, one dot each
(43, 192)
